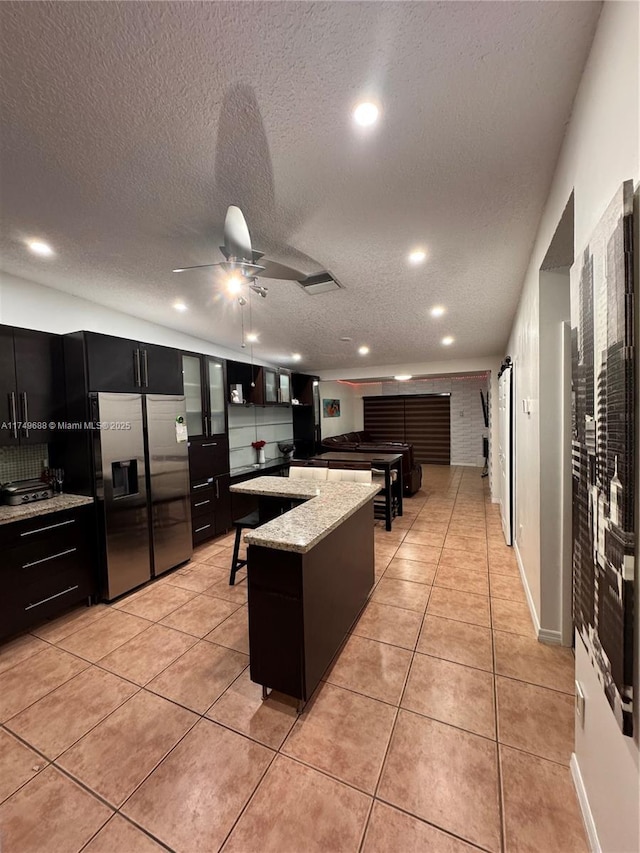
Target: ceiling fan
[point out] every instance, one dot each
(243, 263)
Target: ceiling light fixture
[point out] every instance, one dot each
(252, 337)
(403, 377)
(234, 284)
(364, 350)
(40, 248)
(417, 256)
(438, 311)
(366, 114)
(446, 342)
(296, 356)
(179, 306)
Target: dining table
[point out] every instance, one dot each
(385, 462)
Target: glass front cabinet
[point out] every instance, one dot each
(204, 390)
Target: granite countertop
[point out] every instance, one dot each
(327, 506)
(36, 508)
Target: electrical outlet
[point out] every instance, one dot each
(580, 701)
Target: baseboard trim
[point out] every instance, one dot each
(585, 808)
(527, 591)
(553, 638)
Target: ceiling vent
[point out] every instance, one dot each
(320, 283)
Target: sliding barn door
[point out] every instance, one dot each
(427, 425)
(421, 420)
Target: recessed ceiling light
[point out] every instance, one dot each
(346, 339)
(296, 356)
(40, 248)
(252, 337)
(438, 311)
(364, 350)
(366, 114)
(402, 377)
(446, 342)
(234, 284)
(179, 306)
(417, 256)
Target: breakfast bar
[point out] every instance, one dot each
(310, 571)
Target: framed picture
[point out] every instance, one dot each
(603, 459)
(331, 408)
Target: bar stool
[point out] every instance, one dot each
(249, 522)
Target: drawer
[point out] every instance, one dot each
(202, 529)
(202, 502)
(208, 458)
(43, 573)
(43, 527)
(31, 605)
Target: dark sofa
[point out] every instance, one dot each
(364, 442)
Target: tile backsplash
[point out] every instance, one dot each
(22, 463)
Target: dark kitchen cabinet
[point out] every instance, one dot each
(210, 507)
(49, 564)
(31, 386)
(204, 385)
(120, 365)
(261, 386)
(284, 386)
(305, 414)
(271, 385)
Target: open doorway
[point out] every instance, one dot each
(556, 582)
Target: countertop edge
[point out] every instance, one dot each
(36, 509)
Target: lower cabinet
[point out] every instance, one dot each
(49, 564)
(210, 507)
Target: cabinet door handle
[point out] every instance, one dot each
(201, 486)
(217, 490)
(137, 368)
(200, 529)
(202, 503)
(49, 527)
(46, 559)
(211, 444)
(14, 413)
(51, 597)
(145, 362)
(25, 413)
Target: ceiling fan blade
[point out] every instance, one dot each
(247, 269)
(237, 242)
(280, 271)
(199, 267)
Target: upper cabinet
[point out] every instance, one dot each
(257, 385)
(31, 386)
(122, 365)
(204, 389)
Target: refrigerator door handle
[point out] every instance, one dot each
(136, 368)
(217, 489)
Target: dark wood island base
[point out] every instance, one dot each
(301, 606)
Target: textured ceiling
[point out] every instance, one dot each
(129, 127)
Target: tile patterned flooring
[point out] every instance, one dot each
(442, 724)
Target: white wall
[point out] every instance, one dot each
(600, 151)
(34, 306)
(350, 409)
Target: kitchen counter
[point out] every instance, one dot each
(326, 507)
(9, 514)
(260, 468)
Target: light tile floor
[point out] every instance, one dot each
(442, 724)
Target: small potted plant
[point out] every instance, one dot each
(259, 446)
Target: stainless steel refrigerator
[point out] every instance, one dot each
(142, 486)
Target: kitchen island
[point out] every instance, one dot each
(310, 571)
